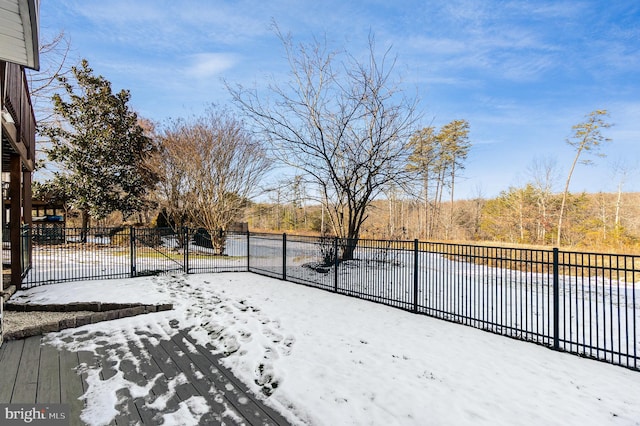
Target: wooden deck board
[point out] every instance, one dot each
(86, 358)
(199, 382)
(25, 388)
(148, 373)
(250, 410)
(71, 385)
(34, 373)
(10, 360)
(129, 410)
(217, 369)
(170, 370)
(48, 388)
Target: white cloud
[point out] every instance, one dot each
(205, 65)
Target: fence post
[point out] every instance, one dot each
(415, 275)
(132, 249)
(30, 242)
(556, 300)
(335, 264)
(284, 256)
(248, 251)
(185, 248)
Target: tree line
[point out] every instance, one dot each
(518, 215)
(345, 126)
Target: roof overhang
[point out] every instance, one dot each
(19, 26)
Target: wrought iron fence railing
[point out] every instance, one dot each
(71, 254)
(25, 250)
(583, 303)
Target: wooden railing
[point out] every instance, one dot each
(18, 103)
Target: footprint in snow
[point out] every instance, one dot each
(265, 379)
(272, 335)
(230, 344)
(287, 344)
(245, 335)
(213, 330)
(270, 353)
(226, 308)
(241, 306)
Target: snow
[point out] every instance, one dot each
(325, 359)
(110, 290)
(598, 315)
(188, 413)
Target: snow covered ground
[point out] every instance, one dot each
(598, 317)
(327, 359)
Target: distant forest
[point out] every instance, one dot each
(517, 216)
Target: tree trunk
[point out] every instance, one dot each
(348, 248)
(451, 210)
(85, 226)
(564, 194)
(618, 203)
(218, 241)
(426, 206)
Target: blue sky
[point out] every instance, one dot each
(522, 73)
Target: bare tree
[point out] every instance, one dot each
(296, 201)
(622, 171)
(586, 137)
(171, 190)
(343, 122)
(216, 165)
(544, 175)
(43, 84)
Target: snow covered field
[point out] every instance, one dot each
(328, 359)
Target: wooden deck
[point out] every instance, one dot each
(34, 373)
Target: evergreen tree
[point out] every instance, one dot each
(436, 158)
(455, 145)
(422, 162)
(587, 137)
(99, 148)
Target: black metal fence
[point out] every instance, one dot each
(69, 254)
(583, 303)
(24, 248)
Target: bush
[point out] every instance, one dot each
(328, 252)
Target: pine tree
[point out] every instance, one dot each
(587, 137)
(455, 145)
(422, 163)
(99, 148)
